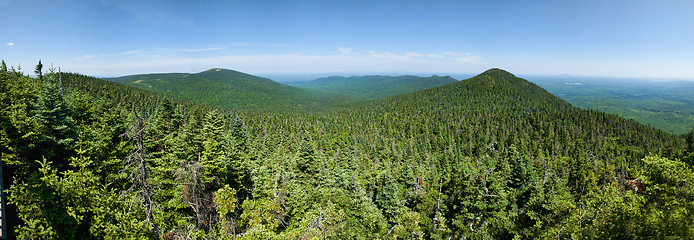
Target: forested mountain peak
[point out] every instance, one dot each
(499, 76)
(503, 82)
(497, 71)
(444, 77)
(234, 90)
(214, 74)
(232, 76)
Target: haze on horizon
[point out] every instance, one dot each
(643, 39)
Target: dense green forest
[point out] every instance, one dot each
(235, 90)
(664, 105)
(374, 87)
(668, 105)
(490, 157)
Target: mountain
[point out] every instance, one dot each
(490, 157)
(234, 90)
(374, 87)
(496, 157)
(499, 107)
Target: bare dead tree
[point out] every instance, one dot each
(196, 194)
(60, 79)
(139, 172)
(280, 198)
(316, 224)
(484, 186)
(391, 229)
(436, 219)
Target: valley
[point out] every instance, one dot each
(668, 105)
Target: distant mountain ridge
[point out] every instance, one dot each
(374, 86)
(235, 90)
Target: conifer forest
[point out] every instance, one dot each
(489, 157)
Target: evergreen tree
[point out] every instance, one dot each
(389, 199)
(689, 138)
(56, 121)
(237, 159)
(213, 158)
(689, 155)
(39, 70)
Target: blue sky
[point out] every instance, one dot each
(628, 38)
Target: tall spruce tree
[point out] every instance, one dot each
(39, 70)
(214, 160)
(58, 131)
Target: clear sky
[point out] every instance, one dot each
(627, 38)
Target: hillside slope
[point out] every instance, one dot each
(497, 107)
(235, 90)
(373, 87)
(490, 157)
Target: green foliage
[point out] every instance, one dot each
(225, 203)
(213, 160)
(689, 138)
(688, 156)
(669, 185)
(225, 198)
(408, 227)
(57, 132)
(389, 199)
(325, 222)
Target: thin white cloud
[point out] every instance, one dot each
(9, 44)
(456, 54)
(356, 62)
(141, 61)
(153, 52)
(177, 50)
(387, 55)
(125, 53)
(345, 50)
(470, 59)
(430, 55)
(258, 44)
(414, 54)
(85, 57)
